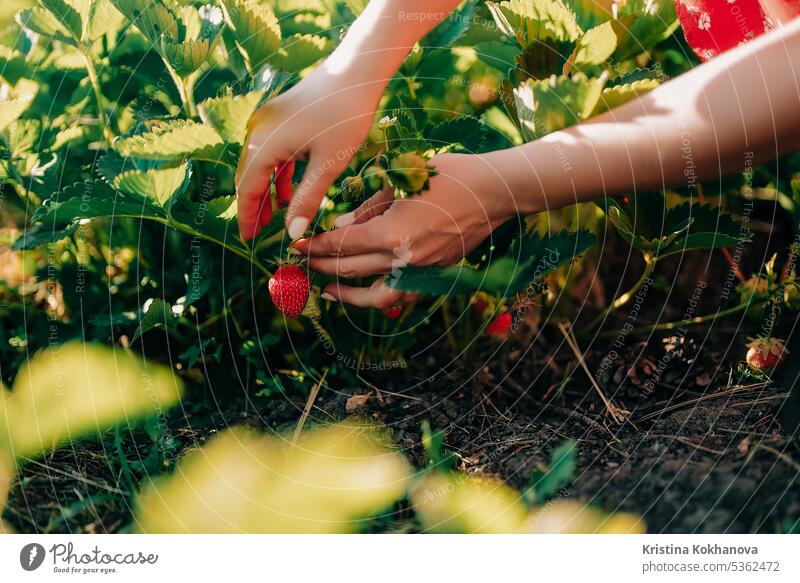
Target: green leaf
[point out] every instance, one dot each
(186, 57)
(102, 19)
(451, 28)
(528, 261)
(647, 22)
(157, 314)
(92, 199)
(556, 103)
(161, 185)
(467, 131)
(647, 224)
(618, 94)
(596, 46)
(356, 6)
(12, 109)
(545, 485)
(500, 55)
(175, 140)
(590, 13)
(300, 51)
(42, 22)
(67, 16)
(534, 21)
(228, 114)
(255, 28)
(152, 18)
(74, 390)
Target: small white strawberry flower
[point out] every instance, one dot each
(386, 122)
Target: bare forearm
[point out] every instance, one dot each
(382, 36)
(745, 103)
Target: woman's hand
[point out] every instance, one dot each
(324, 118)
(466, 201)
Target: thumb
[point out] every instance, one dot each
(375, 205)
(317, 178)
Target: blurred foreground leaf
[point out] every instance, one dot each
(241, 481)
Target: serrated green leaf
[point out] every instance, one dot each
(596, 46)
(534, 21)
(647, 22)
(451, 28)
(467, 131)
(590, 13)
(228, 114)
(300, 51)
(556, 103)
(67, 16)
(186, 57)
(92, 199)
(12, 109)
(157, 315)
(152, 18)
(174, 140)
(618, 94)
(23, 135)
(255, 28)
(42, 22)
(647, 224)
(529, 260)
(102, 18)
(159, 184)
(500, 55)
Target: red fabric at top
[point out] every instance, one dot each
(714, 26)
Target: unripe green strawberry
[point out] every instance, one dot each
(374, 178)
(409, 172)
(352, 188)
(766, 354)
(289, 289)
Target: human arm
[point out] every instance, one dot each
(326, 117)
(744, 103)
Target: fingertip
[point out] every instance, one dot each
(297, 227)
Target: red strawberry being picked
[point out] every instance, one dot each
(289, 289)
(500, 326)
(766, 354)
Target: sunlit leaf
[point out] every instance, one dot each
(533, 21)
(159, 184)
(174, 140)
(70, 391)
(228, 114)
(617, 95)
(556, 103)
(244, 482)
(300, 51)
(256, 29)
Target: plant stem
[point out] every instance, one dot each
(682, 323)
(649, 264)
(235, 250)
(184, 91)
(98, 95)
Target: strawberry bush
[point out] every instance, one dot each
(121, 126)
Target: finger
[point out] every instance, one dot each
(252, 186)
(317, 178)
(353, 266)
(375, 205)
(378, 295)
(353, 240)
(283, 183)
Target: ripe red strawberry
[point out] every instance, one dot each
(289, 289)
(766, 354)
(393, 312)
(500, 326)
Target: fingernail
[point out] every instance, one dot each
(329, 297)
(344, 220)
(297, 227)
(293, 251)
